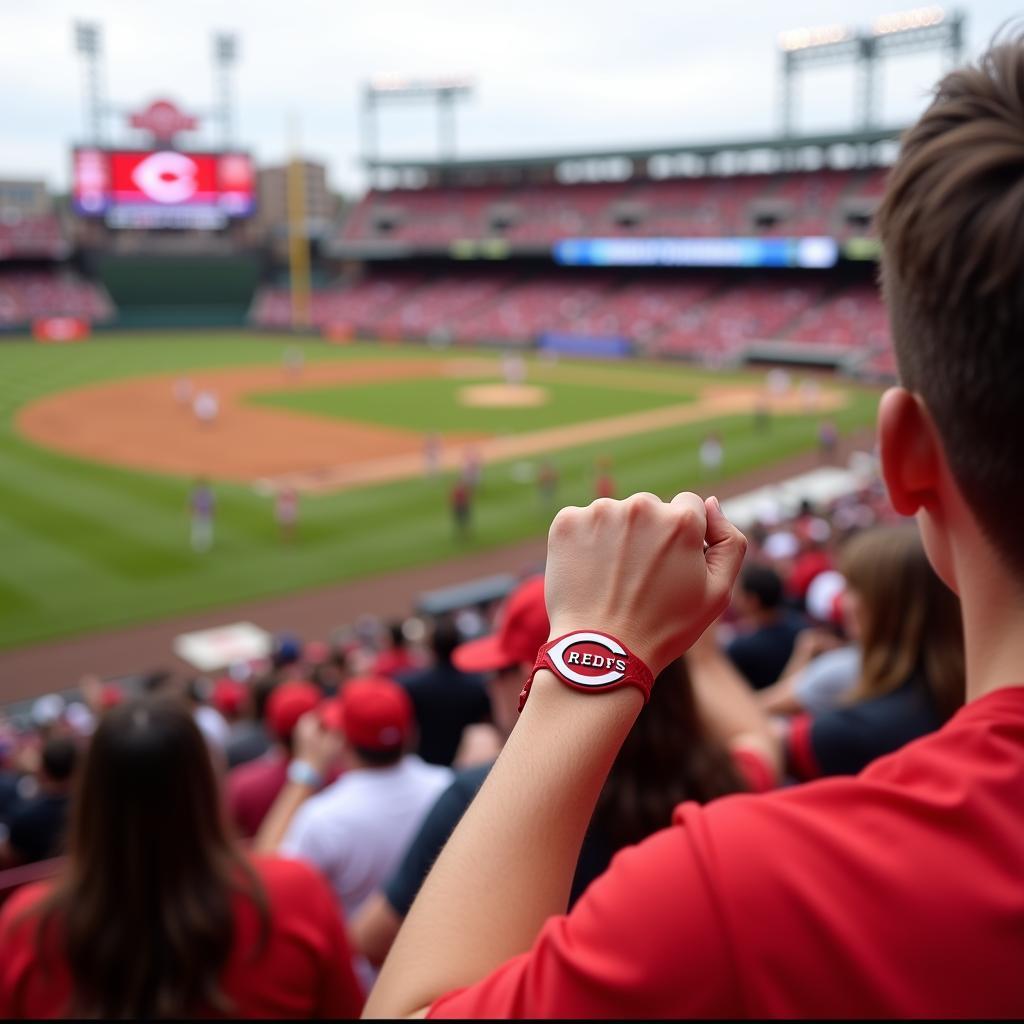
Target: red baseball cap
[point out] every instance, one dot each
(373, 713)
(523, 628)
(110, 696)
(288, 703)
(228, 696)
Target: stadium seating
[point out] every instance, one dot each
(641, 309)
(439, 305)
(546, 303)
(832, 202)
(853, 317)
(360, 305)
(24, 237)
(25, 295)
(708, 315)
(755, 311)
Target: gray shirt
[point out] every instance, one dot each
(828, 679)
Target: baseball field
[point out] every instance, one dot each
(98, 453)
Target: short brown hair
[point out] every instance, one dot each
(952, 230)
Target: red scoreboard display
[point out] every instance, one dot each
(162, 188)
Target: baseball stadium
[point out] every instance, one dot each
(555, 317)
(296, 485)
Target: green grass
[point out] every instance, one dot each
(434, 405)
(88, 546)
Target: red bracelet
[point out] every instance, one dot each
(589, 660)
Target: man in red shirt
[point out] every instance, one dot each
(893, 893)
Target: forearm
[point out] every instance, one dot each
(373, 929)
(779, 698)
(728, 706)
(279, 817)
(509, 865)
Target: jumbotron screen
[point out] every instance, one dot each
(162, 188)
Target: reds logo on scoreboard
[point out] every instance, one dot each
(163, 120)
(590, 659)
(167, 177)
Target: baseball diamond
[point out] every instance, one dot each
(100, 452)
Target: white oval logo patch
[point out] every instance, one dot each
(590, 659)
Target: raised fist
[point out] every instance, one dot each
(654, 574)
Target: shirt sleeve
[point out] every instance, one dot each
(838, 742)
(438, 825)
(647, 939)
(800, 755)
(824, 682)
(757, 773)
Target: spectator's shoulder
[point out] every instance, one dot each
(411, 678)
(438, 774)
(19, 910)
(284, 876)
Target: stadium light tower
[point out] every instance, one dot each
(923, 28)
(225, 54)
(89, 43)
(445, 92)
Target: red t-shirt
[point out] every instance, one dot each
(895, 893)
(807, 566)
(393, 661)
(252, 789)
(305, 969)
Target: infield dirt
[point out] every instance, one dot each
(138, 424)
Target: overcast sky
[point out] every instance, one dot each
(548, 73)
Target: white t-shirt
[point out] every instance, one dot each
(356, 831)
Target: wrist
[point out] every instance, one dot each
(590, 662)
(304, 773)
(552, 701)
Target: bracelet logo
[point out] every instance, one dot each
(589, 659)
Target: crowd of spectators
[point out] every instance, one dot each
(28, 294)
(31, 236)
(839, 641)
(342, 767)
(710, 315)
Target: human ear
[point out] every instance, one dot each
(911, 451)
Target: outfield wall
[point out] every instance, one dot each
(179, 291)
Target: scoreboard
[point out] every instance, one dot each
(162, 188)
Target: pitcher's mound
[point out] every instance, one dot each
(503, 396)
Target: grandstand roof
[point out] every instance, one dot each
(864, 140)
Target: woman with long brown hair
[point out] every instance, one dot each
(907, 624)
(700, 736)
(158, 913)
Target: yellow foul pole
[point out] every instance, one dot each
(298, 242)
